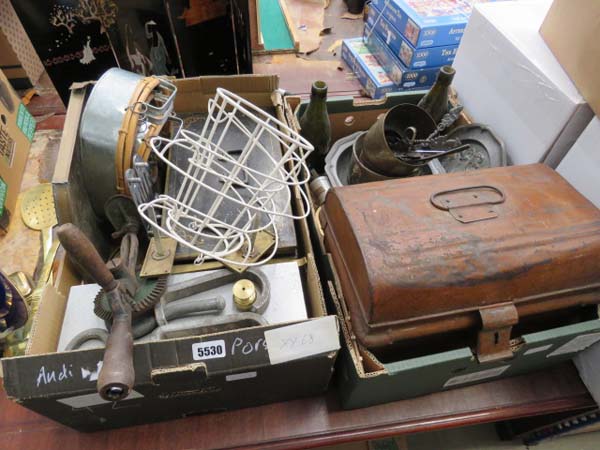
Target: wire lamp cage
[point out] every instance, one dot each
(238, 198)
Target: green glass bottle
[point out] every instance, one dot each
(435, 102)
(315, 125)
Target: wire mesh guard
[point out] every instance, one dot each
(239, 197)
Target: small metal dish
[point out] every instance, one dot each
(487, 150)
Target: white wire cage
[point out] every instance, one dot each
(231, 194)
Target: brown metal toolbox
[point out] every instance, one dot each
(473, 257)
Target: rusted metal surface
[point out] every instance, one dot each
(410, 269)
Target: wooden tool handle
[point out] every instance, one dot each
(83, 251)
(117, 375)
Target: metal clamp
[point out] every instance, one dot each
(469, 204)
(161, 108)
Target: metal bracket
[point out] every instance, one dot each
(263, 242)
(159, 257)
(470, 204)
(493, 340)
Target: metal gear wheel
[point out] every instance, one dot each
(149, 293)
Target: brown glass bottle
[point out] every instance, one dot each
(435, 102)
(315, 125)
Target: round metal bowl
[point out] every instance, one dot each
(339, 160)
(359, 173)
(377, 153)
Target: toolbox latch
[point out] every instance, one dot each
(470, 204)
(493, 340)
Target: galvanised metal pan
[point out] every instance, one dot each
(123, 111)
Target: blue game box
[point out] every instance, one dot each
(428, 23)
(401, 76)
(376, 79)
(410, 57)
(367, 69)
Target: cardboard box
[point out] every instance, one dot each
(18, 59)
(507, 78)
(402, 49)
(173, 379)
(404, 78)
(428, 23)
(11, 66)
(365, 380)
(581, 165)
(571, 31)
(16, 133)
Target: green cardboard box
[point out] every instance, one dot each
(363, 379)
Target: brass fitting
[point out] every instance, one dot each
(244, 294)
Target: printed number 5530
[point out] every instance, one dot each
(208, 350)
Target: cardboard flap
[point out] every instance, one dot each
(193, 93)
(163, 364)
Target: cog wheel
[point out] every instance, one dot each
(148, 294)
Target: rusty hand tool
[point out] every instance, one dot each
(419, 155)
(117, 374)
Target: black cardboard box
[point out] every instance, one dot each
(258, 365)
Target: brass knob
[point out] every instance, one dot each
(244, 294)
(22, 283)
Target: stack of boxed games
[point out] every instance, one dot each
(381, 74)
(366, 67)
(411, 40)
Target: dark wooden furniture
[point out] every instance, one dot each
(313, 422)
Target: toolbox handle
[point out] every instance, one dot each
(471, 203)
